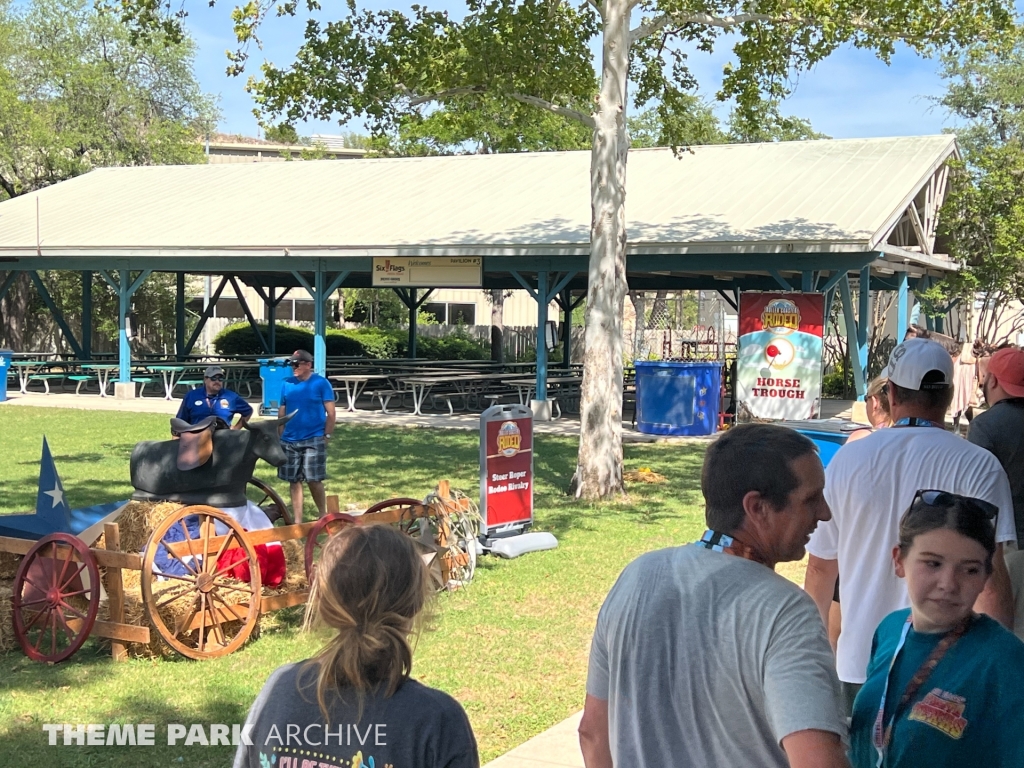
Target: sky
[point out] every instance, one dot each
(849, 95)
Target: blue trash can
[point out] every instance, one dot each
(828, 435)
(6, 356)
(678, 398)
(273, 371)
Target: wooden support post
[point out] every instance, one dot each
(115, 589)
(332, 504)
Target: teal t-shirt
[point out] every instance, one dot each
(969, 712)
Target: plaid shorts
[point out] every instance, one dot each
(307, 461)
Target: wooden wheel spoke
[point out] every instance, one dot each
(64, 625)
(33, 584)
(65, 582)
(72, 609)
(234, 587)
(74, 594)
(42, 631)
(170, 552)
(217, 625)
(170, 599)
(33, 602)
(180, 625)
(202, 620)
(63, 568)
(189, 540)
(220, 551)
(176, 577)
(36, 618)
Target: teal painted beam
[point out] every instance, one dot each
(851, 337)
(58, 316)
(780, 280)
(542, 327)
(902, 317)
(413, 312)
(249, 316)
(864, 319)
(206, 314)
(807, 281)
(124, 346)
(319, 324)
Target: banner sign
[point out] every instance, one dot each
(778, 366)
(506, 469)
(430, 272)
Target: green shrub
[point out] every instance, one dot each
(455, 346)
(239, 339)
(834, 384)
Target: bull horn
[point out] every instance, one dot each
(287, 417)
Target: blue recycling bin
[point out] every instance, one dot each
(273, 372)
(678, 398)
(6, 356)
(828, 435)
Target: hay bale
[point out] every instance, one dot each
(135, 613)
(9, 563)
(644, 475)
(138, 520)
(7, 639)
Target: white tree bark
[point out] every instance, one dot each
(599, 470)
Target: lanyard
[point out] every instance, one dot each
(882, 732)
(720, 542)
(913, 421)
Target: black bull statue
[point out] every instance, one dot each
(221, 481)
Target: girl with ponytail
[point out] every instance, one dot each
(354, 705)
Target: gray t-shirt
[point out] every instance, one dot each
(707, 659)
(418, 727)
(999, 430)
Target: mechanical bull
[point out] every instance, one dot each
(221, 480)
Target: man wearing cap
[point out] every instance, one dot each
(304, 438)
(1000, 430)
(870, 483)
(212, 399)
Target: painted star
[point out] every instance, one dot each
(703, 390)
(57, 494)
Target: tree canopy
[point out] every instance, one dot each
(76, 93)
(982, 221)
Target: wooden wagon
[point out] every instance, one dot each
(203, 609)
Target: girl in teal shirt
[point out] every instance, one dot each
(945, 686)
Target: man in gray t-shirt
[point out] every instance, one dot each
(702, 655)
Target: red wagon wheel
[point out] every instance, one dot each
(56, 597)
(260, 494)
(322, 530)
(406, 520)
(201, 590)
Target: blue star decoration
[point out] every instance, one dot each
(53, 514)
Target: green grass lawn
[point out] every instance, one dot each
(512, 647)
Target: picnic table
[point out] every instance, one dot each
(102, 371)
(29, 369)
(167, 372)
(354, 385)
(420, 387)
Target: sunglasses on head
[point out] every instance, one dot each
(216, 378)
(947, 500)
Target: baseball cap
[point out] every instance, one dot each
(301, 356)
(213, 370)
(1007, 365)
(911, 361)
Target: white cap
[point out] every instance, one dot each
(912, 360)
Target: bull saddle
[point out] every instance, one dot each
(195, 441)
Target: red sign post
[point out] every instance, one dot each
(506, 470)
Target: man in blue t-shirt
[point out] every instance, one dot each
(211, 399)
(304, 437)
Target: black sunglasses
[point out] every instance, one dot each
(216, 378)
(296, 363)
(946, 499)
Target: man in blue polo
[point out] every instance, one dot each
(211, 399)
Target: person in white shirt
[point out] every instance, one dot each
(872, 482)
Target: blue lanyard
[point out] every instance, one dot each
(880, 729)
(913, 421)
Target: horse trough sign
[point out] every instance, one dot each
(506, 470)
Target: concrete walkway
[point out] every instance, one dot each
(556, 747)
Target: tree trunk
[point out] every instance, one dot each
(599, 470)
(14, 313)
(498, 325)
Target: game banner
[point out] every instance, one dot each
(778, 366)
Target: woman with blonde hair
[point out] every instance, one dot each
(354, 705)
(876, 406)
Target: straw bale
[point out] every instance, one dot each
(9, 565)
(138, 520)
(7, 640)
(644, 475)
